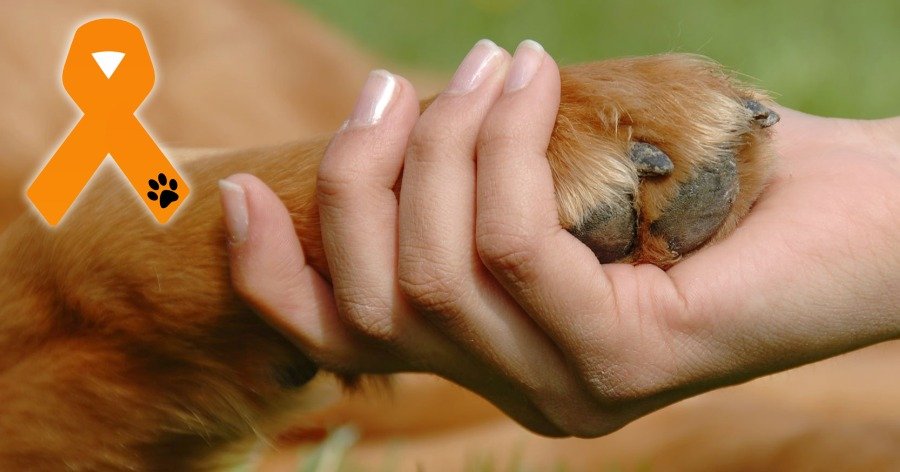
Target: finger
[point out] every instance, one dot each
(270, 273)
(358, 206)
(439, 269)
(550, 273)
(268, 270)
(358, 211)
(437, 202)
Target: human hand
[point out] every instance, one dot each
(469, 275)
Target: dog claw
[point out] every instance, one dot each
(650, 160)
(762, 115)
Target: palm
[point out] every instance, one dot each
(802, 259)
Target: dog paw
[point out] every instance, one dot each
(168, 195)
(655, 157)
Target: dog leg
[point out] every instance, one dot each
(125, 347)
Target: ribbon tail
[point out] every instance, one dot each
(141, 160)
(67, 173)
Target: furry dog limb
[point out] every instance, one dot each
(125, 347)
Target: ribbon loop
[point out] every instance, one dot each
(109, 93)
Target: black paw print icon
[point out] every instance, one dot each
(168, 195)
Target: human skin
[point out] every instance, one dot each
(469, 275)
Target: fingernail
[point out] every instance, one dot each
(476, 66)
(237, 220)
(527, 60)
(376, 96)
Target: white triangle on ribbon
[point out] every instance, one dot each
(108, 61)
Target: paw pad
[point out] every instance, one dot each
(167, 196)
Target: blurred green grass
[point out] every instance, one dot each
(835, 58)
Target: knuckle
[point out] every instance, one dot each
(431, 286)
(618, 394)
(369, 317)
(427, 143)
(338, 185)
(492, 139)
(616, 388)
(572, 412)
(332, 183)
(507, 251)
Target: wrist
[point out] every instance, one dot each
(886, 133)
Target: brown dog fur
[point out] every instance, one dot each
(126, 347)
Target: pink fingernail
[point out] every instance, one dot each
(526, 62)
(237, 219)
(476, 66)
(377, 94)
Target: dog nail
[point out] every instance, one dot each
(477, 65)
(650, 160)
(762, 115)
(377, 94)
(526, 62)
(237, 219)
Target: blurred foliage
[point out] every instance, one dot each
(826, 57)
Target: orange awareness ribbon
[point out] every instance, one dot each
(108, 73)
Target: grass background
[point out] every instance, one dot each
(827, 57)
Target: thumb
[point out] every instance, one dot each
(269, 272)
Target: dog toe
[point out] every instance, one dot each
(609, 230)
(650, 160)
(700, 205)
